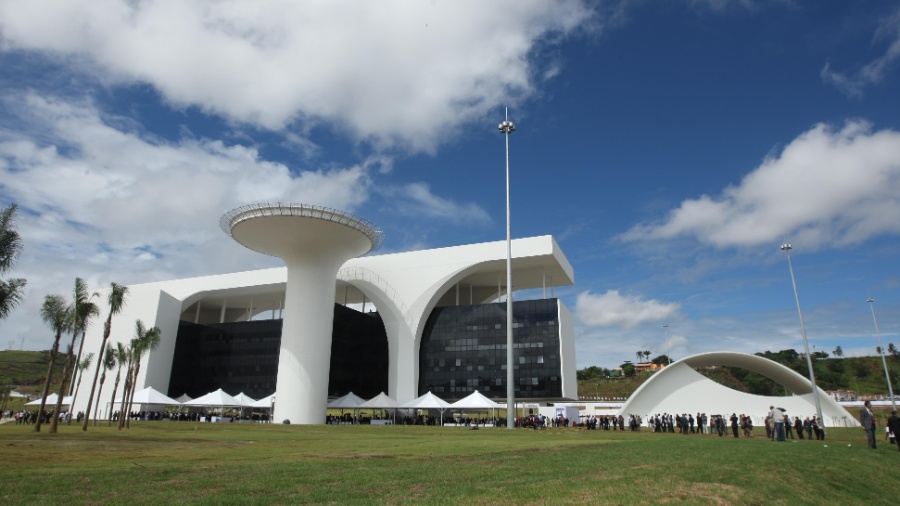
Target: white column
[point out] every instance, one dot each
(305, 354)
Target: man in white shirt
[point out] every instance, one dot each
(778, 417)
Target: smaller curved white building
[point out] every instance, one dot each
(679, 388)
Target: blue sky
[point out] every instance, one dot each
(670, 147)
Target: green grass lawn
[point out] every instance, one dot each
(164, 462)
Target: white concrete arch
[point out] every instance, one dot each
(391, 308)
(679, 388)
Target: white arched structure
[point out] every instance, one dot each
(679, 388)
(404, 287)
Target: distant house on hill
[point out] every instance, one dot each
(647, 366)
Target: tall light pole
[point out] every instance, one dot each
(887, 375)
(668, 357)
(812, 375)
(507, 127)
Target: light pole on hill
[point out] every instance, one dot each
(812, 374)
(668, 357)
(887, 375)
(506, 128)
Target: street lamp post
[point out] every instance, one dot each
(812, 374)
(887, 375)
(506, 128)
(668, 357)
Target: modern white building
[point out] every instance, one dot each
(406, 323)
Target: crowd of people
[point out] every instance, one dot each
(779, 426)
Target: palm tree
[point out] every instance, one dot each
(80, 313)
(145, 340)
(122, 358)
(54, 312)
(79, 371)
(639, 355)
(109, 363)
(85, 311)
(116, 300)
(12, 290)
(54, 422)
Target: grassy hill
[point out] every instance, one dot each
(28, 369)
(864, 375)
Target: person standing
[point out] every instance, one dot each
(867, 419)
(777, 416)
(788, 428)
(734, 424)
(893, 424)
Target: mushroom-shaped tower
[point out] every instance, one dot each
(313, 242)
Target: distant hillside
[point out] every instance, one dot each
(28, 369)
(864, 375)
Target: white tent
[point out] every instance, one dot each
(265, 402)
(475, 400)
(215, 399)
(349, 401)
(246, 399)
(183, 398)
(427, 401)
(150, 395)
(51, 401)
(380, 401)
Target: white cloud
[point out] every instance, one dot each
(110, 205)
(854, 85)
(416, 199)
(384, 72)
(615, 309)
(828, 186)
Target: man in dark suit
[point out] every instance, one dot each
(894, 425)
(867, 419)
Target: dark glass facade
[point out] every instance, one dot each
(464, 349)
(236, 357)
(243, 356)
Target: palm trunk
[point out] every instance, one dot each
(77, 388)
(123, 414)
(96, 408)
(54, 422)
(53, 351)
(137, 369)
(112, 400)
(73, 386)
(107, 327)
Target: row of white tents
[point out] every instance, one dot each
(151, 396)
(473, 402)
(220, 399)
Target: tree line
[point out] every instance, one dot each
(74, 318)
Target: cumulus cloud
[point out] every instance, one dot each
(615, 309)
(99, 201)
(854, 84)
(828, 186)
(383, 72)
